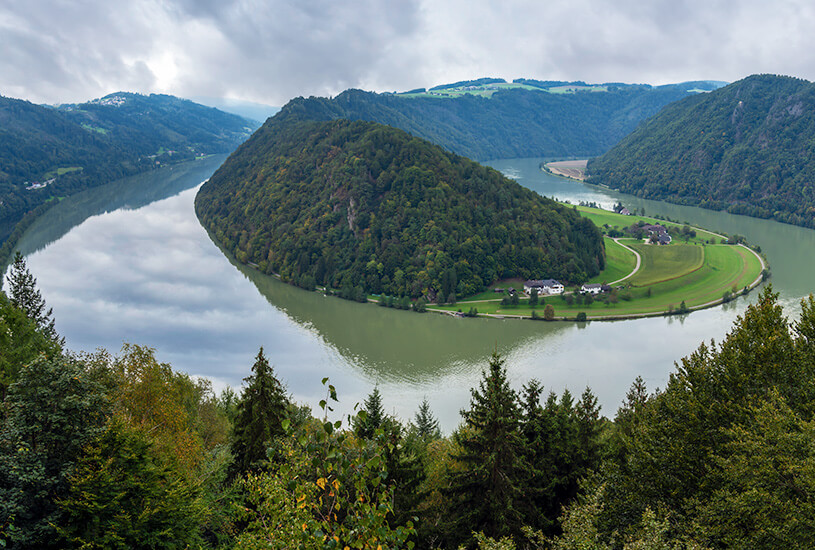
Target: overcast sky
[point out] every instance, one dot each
(269, 51)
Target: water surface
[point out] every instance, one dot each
(130, 263)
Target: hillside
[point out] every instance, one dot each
(746, 148)
(47, 153)
(485, 119)
(365, 207)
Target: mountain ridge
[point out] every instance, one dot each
(746, 148)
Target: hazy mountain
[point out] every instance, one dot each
(51, 152)
(247, 109)
(489, 118)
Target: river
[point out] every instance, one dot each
(129, 262)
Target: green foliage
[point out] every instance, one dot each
(365, 208)
(427, 426)
(24, 294)
(262, 409)
(484, 492)
(55, 407)
(744, 148)
(533, 297)
(124, 495)
(765, 482)
(330, 490)
(38, 143)
(687, 449)
(21, 341)
(510, 124)
(549, 312)
(372, 416)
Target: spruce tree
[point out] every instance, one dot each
(484, 492)
(25, 295)
(261, 410)
(427, 427)
(539, 507)
(365, 425)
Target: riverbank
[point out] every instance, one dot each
(643, 280)
(570, 169)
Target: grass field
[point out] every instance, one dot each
(698, 275)
(619, 262)
(697, 270)
(486, 90)
(662, 263)
(605, 220)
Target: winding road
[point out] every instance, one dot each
(636, 267)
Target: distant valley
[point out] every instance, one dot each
(51, 152)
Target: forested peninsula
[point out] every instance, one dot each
(366, 208)
(746, 148)
(51, 152)
(527, 121)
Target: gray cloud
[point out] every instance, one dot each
(270, 51)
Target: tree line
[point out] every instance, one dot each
(99, 451)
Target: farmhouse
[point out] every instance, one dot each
(594, 288)
(658, 234)
(545, 286)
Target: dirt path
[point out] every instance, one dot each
(636, 267)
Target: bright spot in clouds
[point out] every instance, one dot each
(272, 51)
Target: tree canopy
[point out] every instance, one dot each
(358, 205)
(744, 148)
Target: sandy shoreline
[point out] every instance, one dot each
(573, 169)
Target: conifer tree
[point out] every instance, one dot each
(25, 295)
(261, 410)
(484, 493)
(539, 506)
(427, 426)
(365, 425)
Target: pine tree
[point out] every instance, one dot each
(484, 492)
(365, 425)
(261, 410)
(427, 426)
(25, 295)
(539, 507)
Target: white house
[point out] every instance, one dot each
(545, 286)
(593, 288)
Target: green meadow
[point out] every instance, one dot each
(690, 273)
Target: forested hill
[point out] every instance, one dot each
(510, 123)
(47, 153)
(748, 148)
(365, 207)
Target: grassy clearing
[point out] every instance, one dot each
(662, 263)
(723, 268)
(55, 172)
(96, 129)
(619, 262)
(607, 220)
